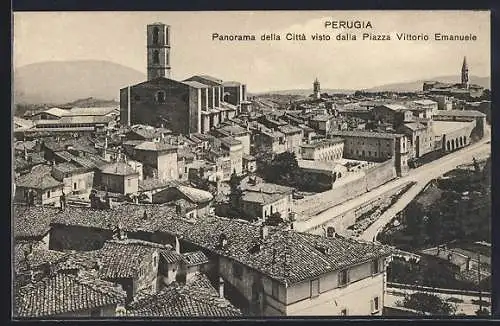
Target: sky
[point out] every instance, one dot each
(120, 37)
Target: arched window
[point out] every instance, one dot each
(156, 35)
(156, 57)
(160, 97)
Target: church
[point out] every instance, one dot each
(194, 105)
(461, 90)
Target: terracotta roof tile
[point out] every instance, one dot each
(64, 293)
(195, 299)
(32, 221)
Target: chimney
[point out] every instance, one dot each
(222, 240)
(330, 232)
(177, 245)
(145, 215)
(221, 287)
(264, 231)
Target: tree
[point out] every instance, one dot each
(236, 192)
(430, 303)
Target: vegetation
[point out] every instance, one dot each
(432, 272)
(463, 194)
(425, 302)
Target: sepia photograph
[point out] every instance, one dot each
(237, 164)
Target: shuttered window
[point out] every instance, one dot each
(343, 277)
(314, 288)
(375, 305)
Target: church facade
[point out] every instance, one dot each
(194, 105)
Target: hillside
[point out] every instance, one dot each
(411, 86)
(66, 81)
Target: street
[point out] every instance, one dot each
(421, 175)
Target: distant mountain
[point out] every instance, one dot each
(411, 86)
(303, 92)
(66, 81)
(91, 103)
(414, 86)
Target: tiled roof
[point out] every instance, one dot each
(154, 146)
(460, 113)
(39, 178)
(230, 141)
(195, 258)
(324, 142)
(288, 129)
(231, 84)
(96, 111)
(64, 293)
(171, 256)
(415, 126)
(21, 164)
(123, 258)
(269, 188)
(364, 134)
(195, 299)
(232, 130)
(322, 118)
(286, 256)
(67, 167)
(146, 132)
(118, 168)
(185, 204)
(129, 216)
(152, 184)
(32, 221)
(395, 107)
(195, 84)
(64, 155)
(261, 197)
(206, 78)
(195, 195)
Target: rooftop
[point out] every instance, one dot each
(365, 134)
(460, 113)
(322, 117)
(195, 195)
(446, 127)
(210, 79)
(32, 221)
(64, 293)
(113, 252)
(194, 258)
(288, 129)
(130, 217)
(262, 198)
(395, 107)
(118, 168)
(197, 298)
(195, 84)
(324, 142)
(231, 84)
(39, 178)
(154, 146)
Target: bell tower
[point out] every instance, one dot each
(465, 74)
(158, 46)
(316, 89)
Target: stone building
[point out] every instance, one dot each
(323, 150)
(119, 178)
(38, 187)
(376, 147)
(159, 160)
(420, 136)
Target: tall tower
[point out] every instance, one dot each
(158, 44)
(316, 89)
(465, 74)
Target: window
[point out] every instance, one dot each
(343, 277)
(48, 193)
(375, 305)
(343, 312)
(156, 34)
(160, 97)
(276, 287)
(156, 57)
(314, 288)
(129, 182)
(237, 271)
(75, 185)
(375, 266)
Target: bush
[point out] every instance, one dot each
(425, 302)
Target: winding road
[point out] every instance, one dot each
(421, 175)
